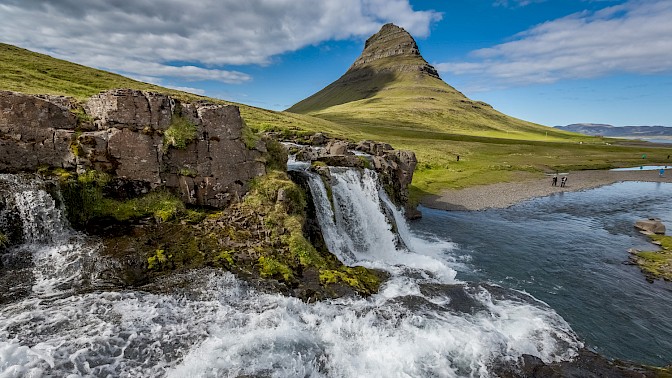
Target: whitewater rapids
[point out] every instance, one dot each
(423, 322)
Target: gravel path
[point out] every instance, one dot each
(505, 194)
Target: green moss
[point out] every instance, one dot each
(4, 240)
(269, 267)
(224, 259)
(158, 260)
(160, 204)
(82, 116)
(189, 172)
(180, 133)
(359, 278)
(365, 162)
(318, 163)
(250, 138)
(657, 264)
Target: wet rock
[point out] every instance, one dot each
(653, 225)
(586, 365)
(343, 161)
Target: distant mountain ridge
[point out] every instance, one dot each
(598, 129)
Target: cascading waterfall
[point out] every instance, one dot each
(422, 323)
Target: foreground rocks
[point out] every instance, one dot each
(586, 365)
(143, 138)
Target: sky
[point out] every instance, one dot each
(553, 62)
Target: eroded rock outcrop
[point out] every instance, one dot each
(125, 133)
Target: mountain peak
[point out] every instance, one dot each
(392, 49)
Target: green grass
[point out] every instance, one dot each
(405, 109)
(419, 112)
(657, 264)
(180, 133)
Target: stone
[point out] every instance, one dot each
(342, 161)
(653, 225)
(129, 108)
(136, 155)
(30, 116)
(317, 139)
(337, 147)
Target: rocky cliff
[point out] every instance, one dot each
(142, 139)
(395, 45)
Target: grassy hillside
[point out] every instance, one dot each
(25, 71)
(396, 109)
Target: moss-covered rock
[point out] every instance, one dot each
(656, 264)
(260, 238)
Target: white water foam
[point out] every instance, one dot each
(220, 327)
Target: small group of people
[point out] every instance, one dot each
(563, 181)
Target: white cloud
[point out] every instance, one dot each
(635, 37)
(515, 3)
(194, 40)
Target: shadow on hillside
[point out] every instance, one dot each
(354, 85)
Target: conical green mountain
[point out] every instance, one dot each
(391, 85)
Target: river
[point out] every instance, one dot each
(455, 303)
(569, 250)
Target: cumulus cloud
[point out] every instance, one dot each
(194, 40)
(634, 37)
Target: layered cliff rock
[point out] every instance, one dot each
(150, 139)
(392, 49)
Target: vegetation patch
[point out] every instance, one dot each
(4, 240)
(180, 133)
(657, 264)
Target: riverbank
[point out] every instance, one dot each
(505, 194)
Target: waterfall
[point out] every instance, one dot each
(58, 254)
(40, 218)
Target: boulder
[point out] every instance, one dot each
(337, 147)
(317, 139)
(652, 225)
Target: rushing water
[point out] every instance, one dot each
(570, 250)
(423, 322)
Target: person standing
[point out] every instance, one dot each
(563, 182)
(554, 182)
(661, 172)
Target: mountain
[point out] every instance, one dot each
(392, 85)
(596, 129)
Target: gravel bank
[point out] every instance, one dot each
(505, 194)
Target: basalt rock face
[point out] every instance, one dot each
(392, 42)
(122, 133)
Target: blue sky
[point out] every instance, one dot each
(548, 61)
